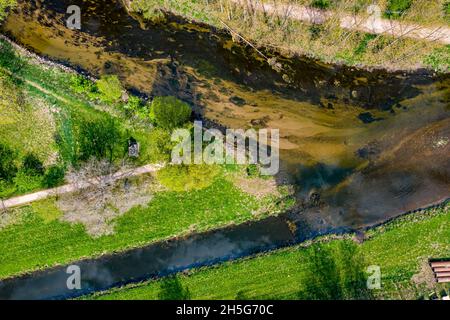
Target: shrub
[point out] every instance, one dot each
(85, 86)
(159, 146)
(26, 182)
(53, 177)
(133, 105)
(439, 59)
(186, 178)
(396, 8)
(8, 168)
(169, 112)
(253, 171)
(32, 165)
(110, 88)
(6, 189)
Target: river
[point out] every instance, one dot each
(361, 147)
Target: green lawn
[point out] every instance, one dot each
(400, 248)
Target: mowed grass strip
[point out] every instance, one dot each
(400, 248)
(38, 241)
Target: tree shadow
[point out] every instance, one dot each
(172, 289)
(334, 273)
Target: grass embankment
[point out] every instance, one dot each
(327, 41)
(57, 231)
(44, 118)
(322, 270)
(39, 239)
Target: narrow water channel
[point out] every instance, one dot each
(361, 147)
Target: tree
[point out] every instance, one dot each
(169, 112)
(110, 88)
(99, 139)
(172, 289)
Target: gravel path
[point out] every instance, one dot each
(371, 24)
(69, 188)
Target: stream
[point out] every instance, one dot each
(362, 147)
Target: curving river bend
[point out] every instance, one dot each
(362, 147)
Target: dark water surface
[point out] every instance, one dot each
(361, 147)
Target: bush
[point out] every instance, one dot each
(186, 178)
(32, 165)
(396, 8)
(8, 168)
(84, 86)
(6, 189)
(26, 182)
(110, 88)
(439, 59)
(133, 105)
(169, 112)
(159, 146)
(54, 177)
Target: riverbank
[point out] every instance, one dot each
(401, 249)
(347, 33)
(70, 227)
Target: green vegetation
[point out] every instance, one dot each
(439, 58)
(321, 4)
(5, 5)
(154, 10)
(110, 88)
(35, 241)
(186, 178)
(53, 120)
(328, 41)
(63, 120)
(396, 8)
(169, 112)
(401, 248)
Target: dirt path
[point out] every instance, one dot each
(371, 24)
(69, 188)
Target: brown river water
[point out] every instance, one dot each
(361, 147)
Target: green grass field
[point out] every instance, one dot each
(399, 248)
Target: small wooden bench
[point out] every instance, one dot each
(441, 270)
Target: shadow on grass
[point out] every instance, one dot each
(334, 273)
(172, 289)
